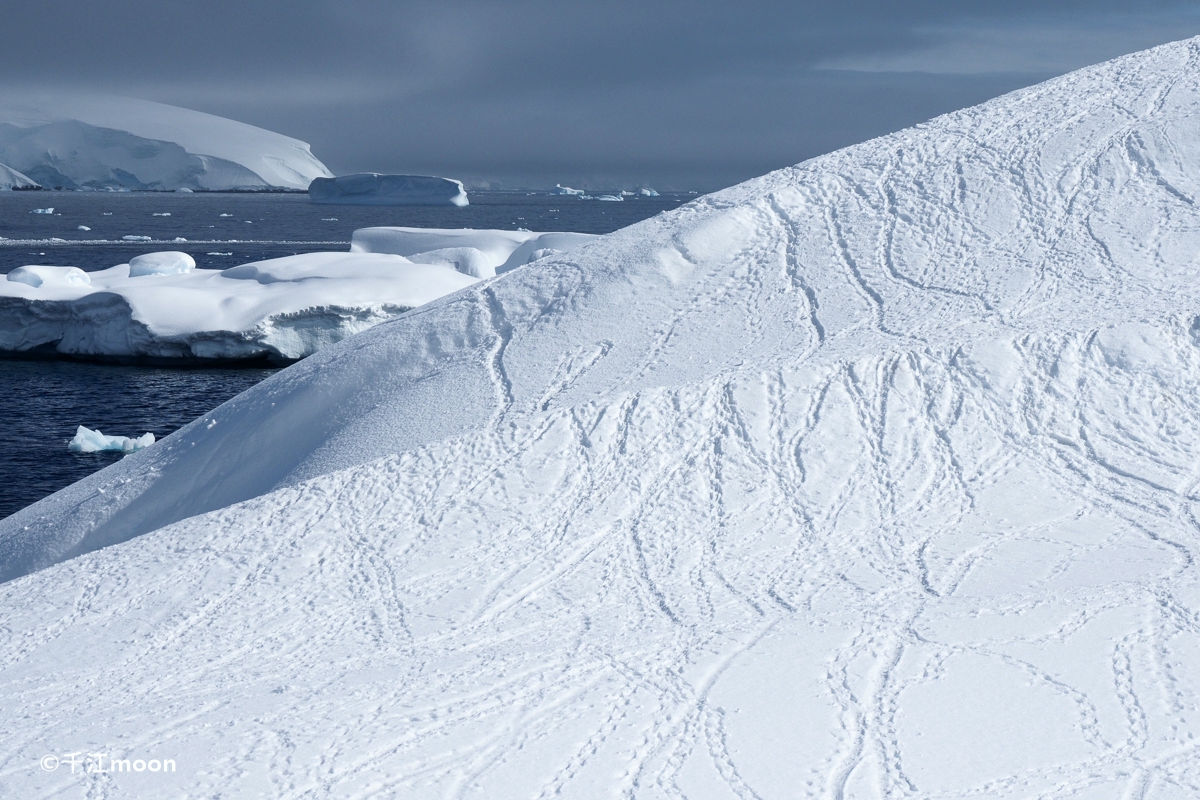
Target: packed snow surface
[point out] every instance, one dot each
(89, 441)
(11, 180)
(104, 142)
(873, 477)
(373, 189)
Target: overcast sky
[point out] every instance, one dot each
(688, 95)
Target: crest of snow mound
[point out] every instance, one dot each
(872, 477)
(98, 142)
(11, 180)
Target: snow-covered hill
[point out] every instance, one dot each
(104, 142)
(876, 476)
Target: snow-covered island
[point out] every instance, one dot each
(160, 307)
(873, 477)
(99, 142)
(374, 189)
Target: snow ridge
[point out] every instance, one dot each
(874, 476)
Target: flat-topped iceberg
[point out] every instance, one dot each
(11, 180)
(103, 142)
(374, 189)
(159, 306)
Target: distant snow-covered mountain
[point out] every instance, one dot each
(105, 142)
(10, 179)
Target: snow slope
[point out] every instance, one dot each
(11, 179)
(875, 476)
(479, 253)
(100, 142)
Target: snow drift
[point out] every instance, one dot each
(102, 142)
(479, 253)
(373, 189)
(875, 476)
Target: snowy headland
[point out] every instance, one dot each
(100, 142)
(875, 476)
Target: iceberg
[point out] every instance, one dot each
(160, 307)
(478, 253)
(875, 476)
(373, 189)
(567, 190)
(13, 181)
(89, 441)
(65, 141)
(647, 192)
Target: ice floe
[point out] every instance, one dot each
(89, 441)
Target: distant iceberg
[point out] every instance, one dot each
(373, 189)
(89, 441)
(101, 142)
(11, 180)
(560, 189)
(647, 192)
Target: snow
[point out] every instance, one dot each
(371, 188)
(89, 441)
(168, 262)
(872, 477)
(478, 253)
(105, 142)
(11, 180)
(160, 306)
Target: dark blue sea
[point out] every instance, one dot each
(44, 401)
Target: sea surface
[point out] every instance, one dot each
(43, 402)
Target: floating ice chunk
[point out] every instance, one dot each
(180, 239)
(183, 190)
(611, 198)
(646, 191)
(89, 441)
(107, 214)
(560, 189)
(371, 188)
(167, 262)
(137, 238)
(42, 211)
(83, 228)
(37, 275)
(225, 215)
(161, 214)
(329, 219)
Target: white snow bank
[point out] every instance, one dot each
(160, 306)
(872, 477)
(371, 188)
(100, 142)
(89, 441)
(11, 180)
(478, 253)
(168, 262)
(50, 277)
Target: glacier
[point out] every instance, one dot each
(11, 180)
(374, 189)
(876, 476)
(100, 142)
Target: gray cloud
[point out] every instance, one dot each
(686, 94)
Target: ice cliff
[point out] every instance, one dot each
(876, 476)
(11, 180)
(104, 142)
(373, 189)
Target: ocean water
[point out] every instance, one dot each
(44, 401)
